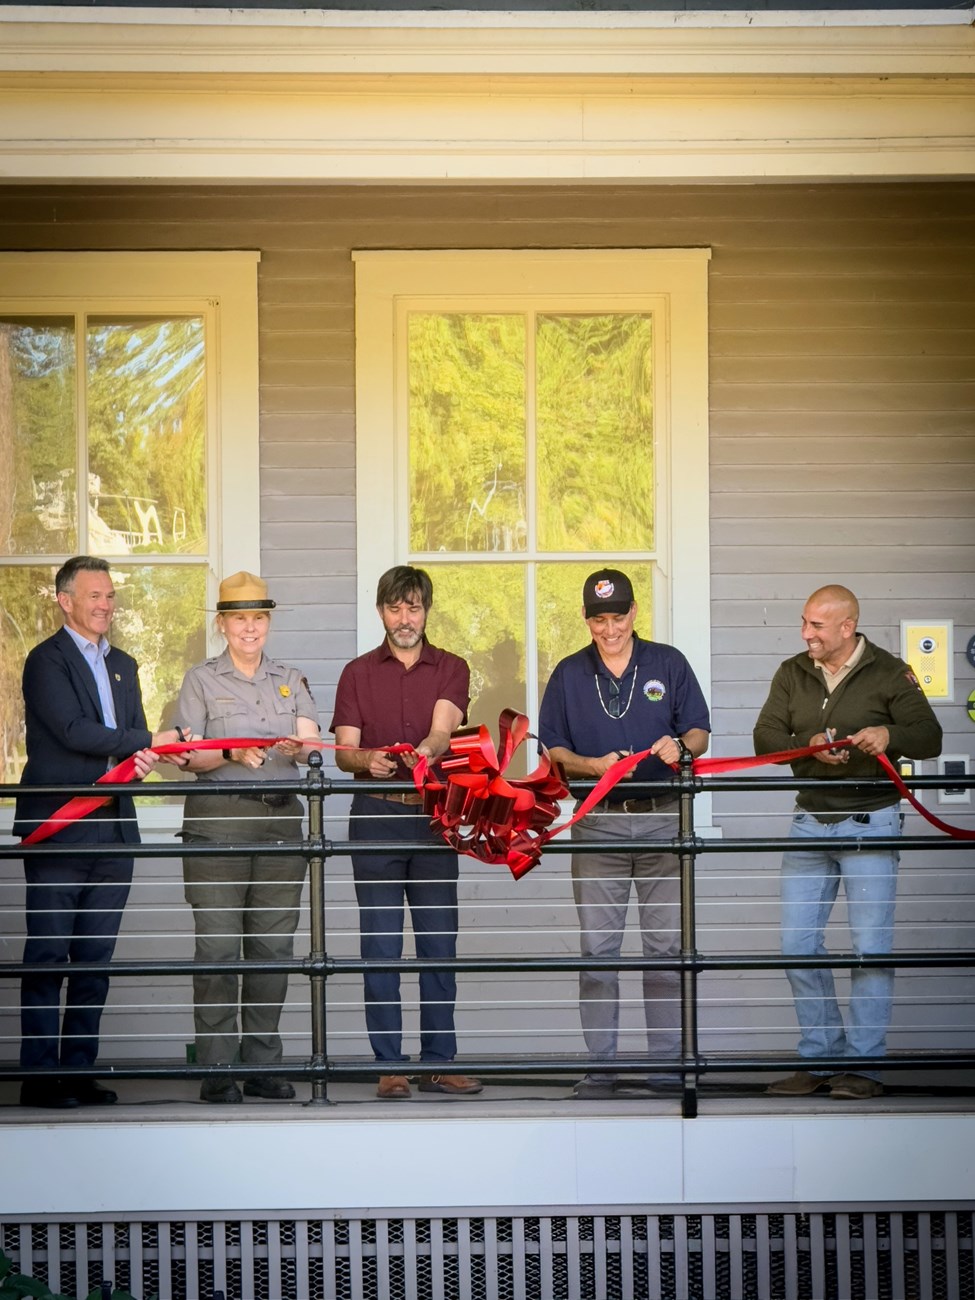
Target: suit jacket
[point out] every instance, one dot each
(67, 741)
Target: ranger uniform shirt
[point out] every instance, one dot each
(217, 700)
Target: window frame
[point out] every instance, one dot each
(669, 283)
(220, 287)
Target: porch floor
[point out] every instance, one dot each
(177, 1100)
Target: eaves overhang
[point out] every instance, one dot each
(189, 95)
(64, 39)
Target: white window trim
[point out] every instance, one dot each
(222, 288)
(670, 282)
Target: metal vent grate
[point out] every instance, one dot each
(878, 1255)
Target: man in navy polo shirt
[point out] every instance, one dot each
(619, 695)
(404, 691)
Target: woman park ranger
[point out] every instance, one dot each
(244, 905)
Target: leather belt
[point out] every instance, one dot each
(269, 800)
(412, 798)
(830, 819)
(666, 803)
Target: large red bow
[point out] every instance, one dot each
(481, 812)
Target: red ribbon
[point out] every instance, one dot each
(479, 811)
(124, 772)
(708, 766)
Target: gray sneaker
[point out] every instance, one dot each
(595, 1087)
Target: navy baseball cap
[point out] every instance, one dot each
(607, 591)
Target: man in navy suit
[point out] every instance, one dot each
(84, 714)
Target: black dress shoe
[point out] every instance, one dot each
(47, 1096)
(90, 1093)
(223, 1092)
(270, 1086)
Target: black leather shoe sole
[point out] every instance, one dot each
(93, 1094)
(48, 1097)
(222, 1094)
(270, 1088)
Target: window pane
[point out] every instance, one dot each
(146, 437)
(595, 433)
(28, 614)
(160, 618)
(561, 627)
(479, 613)
(38, 509)
(467, 432)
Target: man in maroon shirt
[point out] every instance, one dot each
(405, 690)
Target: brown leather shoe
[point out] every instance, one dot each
(457, 1085)
(393, 1087)
(854, 1087)
(802, 1084)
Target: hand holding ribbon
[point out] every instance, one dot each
(132, 769)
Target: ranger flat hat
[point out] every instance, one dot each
(243, 591)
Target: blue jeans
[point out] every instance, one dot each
(383, 883)
(810, 881)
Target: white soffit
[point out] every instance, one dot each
(334, 97)
(255, 41)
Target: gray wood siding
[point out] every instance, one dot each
(842, 356)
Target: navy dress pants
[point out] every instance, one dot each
(383, 883)
(74, 909)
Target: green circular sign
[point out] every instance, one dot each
(971, 706)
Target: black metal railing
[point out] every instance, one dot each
(318, 967)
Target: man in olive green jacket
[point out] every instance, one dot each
(842, 687)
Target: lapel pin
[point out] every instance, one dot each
(118, 677)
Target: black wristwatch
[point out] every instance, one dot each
(684, 751)
(227, 754)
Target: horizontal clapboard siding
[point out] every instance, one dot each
(842, 358)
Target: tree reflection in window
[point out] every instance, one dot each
(146, 436)
(531, 441)
(139, 443)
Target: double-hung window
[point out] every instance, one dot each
(128, 430)
(524, 418)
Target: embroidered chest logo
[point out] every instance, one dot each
(654, 690)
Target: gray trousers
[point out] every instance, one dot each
(601, 887)
(243, 907)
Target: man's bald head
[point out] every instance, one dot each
(839, 598)
(829, 625)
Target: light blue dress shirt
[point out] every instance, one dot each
(95, 659)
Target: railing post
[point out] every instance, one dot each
(688, 936)
(316, 878)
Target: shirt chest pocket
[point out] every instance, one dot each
(226, 716)
(285, 707)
